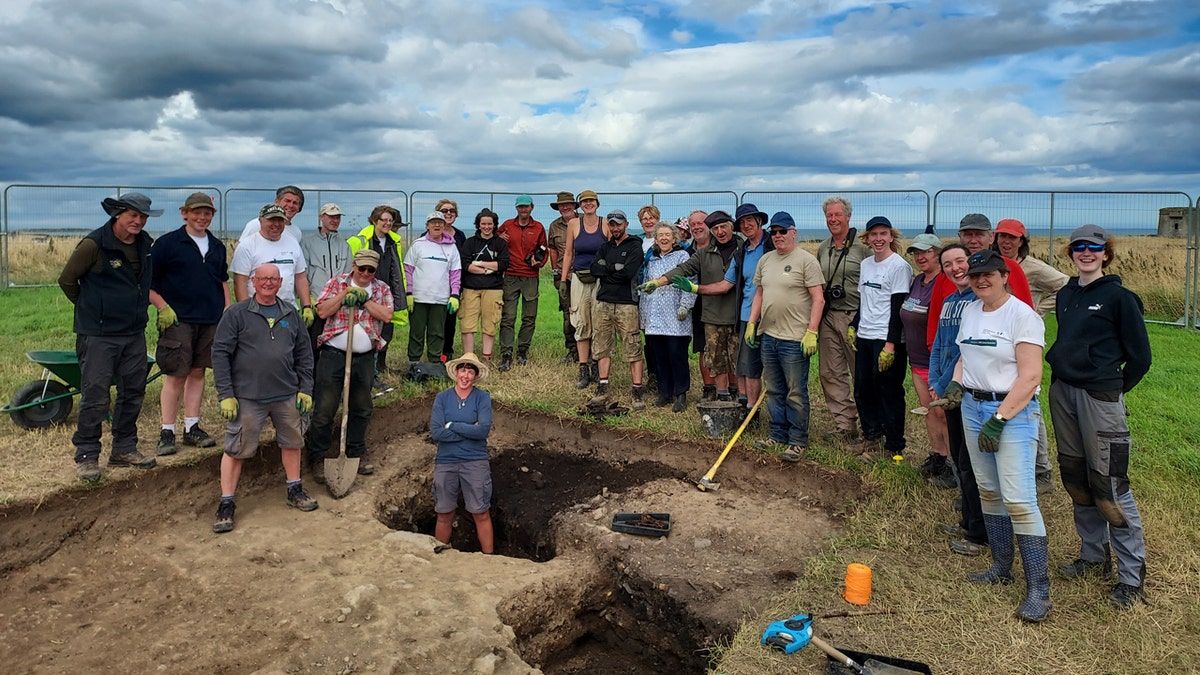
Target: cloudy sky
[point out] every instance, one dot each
(642, 95)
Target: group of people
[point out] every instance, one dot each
(749, 300)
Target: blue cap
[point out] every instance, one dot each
(524, 200)
(877, 220)
(783, 219)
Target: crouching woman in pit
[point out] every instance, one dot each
(460, 423)
(997, 378)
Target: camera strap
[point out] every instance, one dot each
(841, 257)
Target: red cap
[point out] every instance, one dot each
(1011, 226)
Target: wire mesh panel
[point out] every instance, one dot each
(44, 222)
(1152, 259)
(907, 209)
(356, 207)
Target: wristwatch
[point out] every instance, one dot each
(999, 417)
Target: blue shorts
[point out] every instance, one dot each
(471, 479)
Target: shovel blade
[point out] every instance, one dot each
(340, 474)
(873, 667)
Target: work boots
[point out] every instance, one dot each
(601, 397)
(709, 392)
(680, 403)
(1035, 559)
(505, 361)
(638, 403)
(1000, 539)
(585, 376)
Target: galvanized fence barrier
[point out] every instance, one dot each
(1153, 251)
(907, 209)
(243, 205)
(42, 224)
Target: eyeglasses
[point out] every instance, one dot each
(366, 268)
(775, 232)
(273, 280)
(1081, 246)
(449, 211)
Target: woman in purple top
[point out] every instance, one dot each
(914, 313)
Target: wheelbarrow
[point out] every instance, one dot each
(47, 401)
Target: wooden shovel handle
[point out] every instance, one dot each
(833, 651)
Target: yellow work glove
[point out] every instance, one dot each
(166, 318)
(452, 305)
(229, 408)
(303, 403)
(886, 359)
(852, 338)
(809, 342)
(410, 302)
(308, 316)
(752, 334)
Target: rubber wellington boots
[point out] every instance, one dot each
(1000, 540)
(1036, 560)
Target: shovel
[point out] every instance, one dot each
(870, 667)
(341, 472)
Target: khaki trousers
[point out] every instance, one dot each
(836, 366)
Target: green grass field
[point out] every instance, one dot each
(940, 618)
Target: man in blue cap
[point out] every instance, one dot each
(107, 278)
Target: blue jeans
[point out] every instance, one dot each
(1006, 477)
(785, 374)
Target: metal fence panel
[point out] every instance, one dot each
(907, 209)
(1155, 267)
(42, 223)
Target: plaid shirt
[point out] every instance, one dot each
(340, 321)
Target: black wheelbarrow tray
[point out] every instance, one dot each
(45, 402)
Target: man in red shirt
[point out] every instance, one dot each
(526, 239)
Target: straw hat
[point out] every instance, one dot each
(470, 359)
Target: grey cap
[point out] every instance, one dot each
(925, 242)
(1093, 234)
(618, 215)
(975, 221)
(135, 201)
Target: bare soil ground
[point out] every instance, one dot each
(129, 577)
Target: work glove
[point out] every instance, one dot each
(681, 313)
(989, 435)
(409, 299)
(951, 399)
(809, 342)
(684, 284)
(229, 408)
(308, 315)
(852, 338)
(452, 305)
(752, 334)
(564, 296)
(303, 403)
(166, 318)
(648, 287)
(886, 359)
(355, 296)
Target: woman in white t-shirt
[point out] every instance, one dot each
(997, 377)
(877, 334)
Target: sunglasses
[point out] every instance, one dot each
(366, 268)
(450, 211)
(775, 232)
(1081, 246)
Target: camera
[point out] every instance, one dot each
(835, 292)
(536, 257)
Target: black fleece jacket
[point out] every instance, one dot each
(1102, 343)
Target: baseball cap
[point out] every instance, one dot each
(435, 215)
(1093, 234)
(272, 211)
(331, 209)
(974, 221)
(783, 219)
(876, 222)
(617, 215)
(1011, 226)
(588, 194)
(366, 256)
(986, 260)
(199, 200)
(925, 242)
(524, 200)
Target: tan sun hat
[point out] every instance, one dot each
(469, 359)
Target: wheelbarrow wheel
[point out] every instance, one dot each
(30, 410)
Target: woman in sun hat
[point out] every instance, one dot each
(1101, 353)
(460, 422)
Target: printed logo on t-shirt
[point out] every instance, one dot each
(872, 284)
(1095, 308)
(980, 342)
(282, 261)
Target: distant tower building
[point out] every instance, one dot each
(1173, 222)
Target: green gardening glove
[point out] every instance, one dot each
(409, 298)
(308, 315)
(452, 305)
(355, 296)
(852, 338)
(166, 318)
(951, 399)
(648, 287)
(809, 342)
(989, 435)
(304, 403)
(684, 284)
(229, 408)
(886, 359)
(751, 335)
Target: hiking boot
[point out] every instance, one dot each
(132, 458)
(505, 362)
(316, 471)
(680, 403)
(841, 436)
(585, 377)
(365, 468)
(1043, 482)
(1124, 596)
(945, 478)
(967, 547)
(709, 392)
(595, 367)
(769, 444)
(166, 443)
(198, 438)
(954, 530)
(1080, 568)
(88, 470)
(297, 497)
(570, 357)
(601, 397)
(224, 521)
(870, 449)
(638, 403)
(932, 465)
(522, 358)
(662, 401)
(794, 453)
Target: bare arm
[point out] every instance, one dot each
(817, 293)
(569, 250)
(239, 286)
